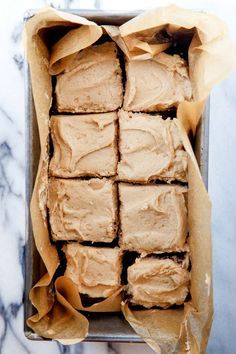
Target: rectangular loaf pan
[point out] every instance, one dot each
(103, 327)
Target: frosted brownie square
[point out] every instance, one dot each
(156, 84)
(150, 148)
(84, 145)
(153, 217)
(95, 271)
(157, 282)
(82, 210)
(92, 82)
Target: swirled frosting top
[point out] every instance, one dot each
(91, 82)
(84, 145)
(158, 282)
(153, 217)
(150, 148)
(82, 210)
(156, 84)
(95, 271)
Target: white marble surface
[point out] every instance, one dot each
(222, 186)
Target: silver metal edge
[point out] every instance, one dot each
(28, 149)
(202, 136)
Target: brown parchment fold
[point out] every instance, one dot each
(211, 57)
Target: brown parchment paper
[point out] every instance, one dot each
(211, 57)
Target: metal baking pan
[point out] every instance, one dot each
(103, 327)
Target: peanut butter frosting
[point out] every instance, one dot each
(153, 217)
(92, 82)
(156, 84)
(82, 210)
(150, 149)
(95, 271)
(157, 282)
(84, 145)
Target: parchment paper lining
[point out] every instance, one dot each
(211, 57)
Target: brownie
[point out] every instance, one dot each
(156, 84)
(153, 217)
(157, 282)
(150, 149)
(91, 82)
(95, 271)
(84, 145)
(82, 210)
